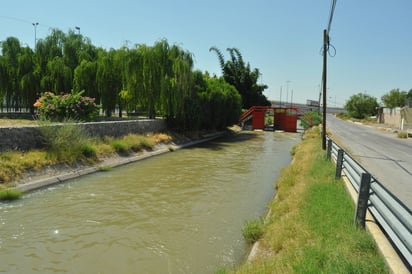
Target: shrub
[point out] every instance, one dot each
(89, 151)
(402, 134)
(9, 195)
(105, 168)
(67, 142)
(253, 230)
(67, 106)
(120, 146)
(138, 142)
(310, 119)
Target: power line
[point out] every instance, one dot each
(332, 11)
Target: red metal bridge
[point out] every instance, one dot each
(284, 118)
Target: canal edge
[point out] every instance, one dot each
(57, 179)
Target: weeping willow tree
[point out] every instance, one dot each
(108, 81)
(9, 85)
(177, 83)
(159, 78)
(29, 78)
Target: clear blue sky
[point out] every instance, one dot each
(282, 38)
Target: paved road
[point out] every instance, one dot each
(383, 154)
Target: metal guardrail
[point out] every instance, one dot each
(390, 213)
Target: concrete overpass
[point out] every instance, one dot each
(305, 108)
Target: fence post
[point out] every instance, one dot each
(329, 148)
(363, 198)
(339, 164)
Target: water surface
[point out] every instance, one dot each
(181, 212)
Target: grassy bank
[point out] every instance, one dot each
(70, 146)
(310, 227)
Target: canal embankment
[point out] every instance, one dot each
(310, 228)
(47, 176)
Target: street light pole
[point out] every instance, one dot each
(35, 33)
(78, 29)
(287, 91)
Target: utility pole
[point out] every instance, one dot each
(325, 53)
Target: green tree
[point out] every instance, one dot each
(29, 78)
(240, 75)
(395, 98)
(108, 81)
(10, 81)
(361, 106)
(409, 98)
(221, 104)
(85, 79)
(159, 79)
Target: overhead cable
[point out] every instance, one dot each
(332, 11)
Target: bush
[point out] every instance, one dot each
(68, 106)
(402, 134)
(89, 151)
(9, 195)
(361, 106)
(253, 230)
(120, 146)
(310, 119)
(66, 143)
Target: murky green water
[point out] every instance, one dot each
(181, 212)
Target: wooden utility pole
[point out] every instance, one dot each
(325, 53)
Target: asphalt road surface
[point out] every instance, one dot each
(384, 155)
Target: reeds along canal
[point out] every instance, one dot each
(181, 212)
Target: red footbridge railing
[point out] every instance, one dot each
(284, 118)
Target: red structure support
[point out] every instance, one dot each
(284, 118)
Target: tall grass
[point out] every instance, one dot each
(310, 229)
(9, 195)
(67, 142)
(253, 230)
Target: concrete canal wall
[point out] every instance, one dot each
(29, 137)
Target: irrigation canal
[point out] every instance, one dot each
(181, 212)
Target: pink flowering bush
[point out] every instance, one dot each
(72, 106)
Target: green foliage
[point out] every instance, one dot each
(220, 104)
(10, 195)
(89, 151)
(310, 119)
(74, 149)
(310, 228)
(269, 119)
(137, 142)
(403, 134)
(240, 75)
(105, 168)
(66, 143)
(395, 98)
(361, 106)
(120, 146)
(253, 230)
(68, 106)
(157, 80)
(109, 81)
